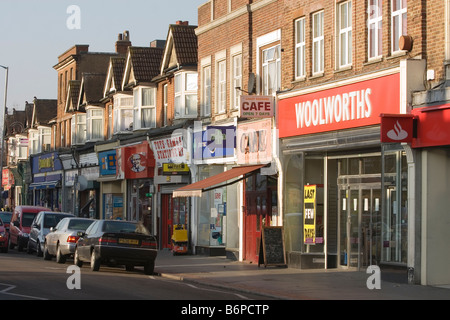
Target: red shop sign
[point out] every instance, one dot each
(397, 127)
(433, 126)
(349, 106)
(134, 162)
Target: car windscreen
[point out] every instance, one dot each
(51, 220)
(124, 227)
(79, 224)
(6, 216)
(28, 218)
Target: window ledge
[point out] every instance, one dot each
(342, 69)
(317, 75)
(373, 60)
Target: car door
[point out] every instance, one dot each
(84, 243)
(34, 231)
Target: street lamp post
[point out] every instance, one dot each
(2, 128)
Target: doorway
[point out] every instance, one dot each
(360, 225)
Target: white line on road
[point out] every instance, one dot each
(10, 287)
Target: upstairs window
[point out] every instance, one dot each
(345, 33)
(398, 22)
(271, 70)
(186, 95)
(45, 138)
(144, 108)
(237, 79)
(94, 121)
(300, 60)
(318, 43)
(123, 113)
(34, 141)
(79, 129)
(375, 28)
(206, 90)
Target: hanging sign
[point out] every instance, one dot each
(397, 127)
(309, 214)
(256, 106)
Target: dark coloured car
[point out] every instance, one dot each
(116, 242)
(41, 227)
(3, 237)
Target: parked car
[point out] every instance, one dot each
(116, 242)
(6, 218)
(3, 237)
(41, 227)
(62, 239)
(19, 228)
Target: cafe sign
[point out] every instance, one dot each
(256, 106)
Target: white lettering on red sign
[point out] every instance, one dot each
(334, 109)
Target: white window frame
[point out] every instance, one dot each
(33, 141)
(318, 44)
(78, 129)
(221, 79)
(166, 104)
(21, 148)
(206, 90)
(184, 91)
(344, 27)
(300, 48)
(401, 26)
(139, 108)
(236, 76)
(45, 139)
(374, 29)
(90, 118)
(269, 63)
(123, 104)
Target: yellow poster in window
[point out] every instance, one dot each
(309, 216)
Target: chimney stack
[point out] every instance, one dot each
(123, 42)
(182, 23)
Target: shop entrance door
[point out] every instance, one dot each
(256, 216)
(167, 217)
(359, 225)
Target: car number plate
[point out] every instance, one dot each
(128, 241)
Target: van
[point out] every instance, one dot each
(21, 221)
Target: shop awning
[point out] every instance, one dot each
(196, 189)
(44, 185)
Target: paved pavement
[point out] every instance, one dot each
(290, 283)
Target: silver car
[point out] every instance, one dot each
(62, 239)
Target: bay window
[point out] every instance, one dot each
(186, 95)
(123, 113)
(144, 108)
(78, 129)
(94, 121)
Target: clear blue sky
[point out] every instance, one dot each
(35, 32)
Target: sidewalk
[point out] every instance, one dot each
(288, 283)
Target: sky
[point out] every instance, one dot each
(35, 32)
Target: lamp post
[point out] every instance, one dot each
(2, 128)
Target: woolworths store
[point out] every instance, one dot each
(330, 148)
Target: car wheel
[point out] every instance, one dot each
(95, 261)
(149, 267)
(19, 244)
(29, 251)
(39, 252)
(11, 245)
(60, 258)
(76, 259)
(46, 255)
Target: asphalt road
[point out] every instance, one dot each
(28, 277)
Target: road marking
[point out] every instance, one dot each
(10, 287)
(214, 290)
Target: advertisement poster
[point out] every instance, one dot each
(309, 220)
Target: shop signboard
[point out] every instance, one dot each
(107, 162)
(339, 107)
(397, 127)
(254, 106)
(254, 142)
(46, 163)
(135, 162)
(309, 214)
(433, 125)
(170, 150)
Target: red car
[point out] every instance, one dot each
(19, 229)
(3, 237)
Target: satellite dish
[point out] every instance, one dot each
(81, 184)
(251, 83)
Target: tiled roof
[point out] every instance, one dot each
(44, 111)
(185, 43)
(118, 68)
(145, 62)
(73, 94)
(92, 87)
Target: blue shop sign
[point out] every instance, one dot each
(214, 142)
(46, 163)
(107, 162)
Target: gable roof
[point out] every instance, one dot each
(142, 65)
(73, 93)
(114, 77)
(181, 47)
(91, 89)
(44, 111)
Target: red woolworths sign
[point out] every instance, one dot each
(344, 107)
